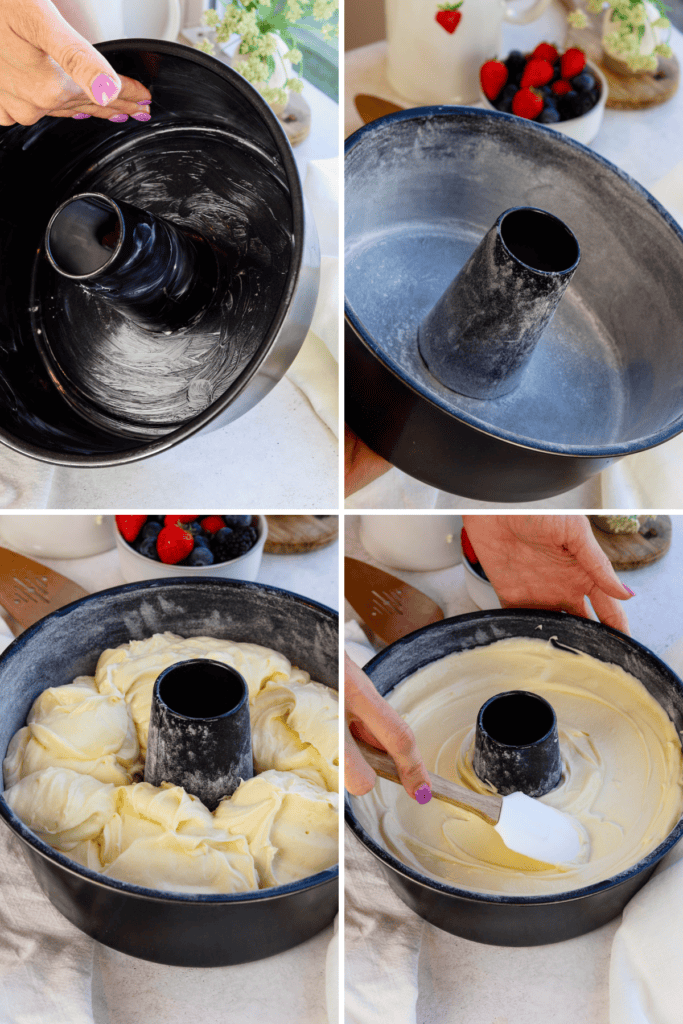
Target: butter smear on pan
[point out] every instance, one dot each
(72, 776)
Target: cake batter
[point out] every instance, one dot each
(621, 779)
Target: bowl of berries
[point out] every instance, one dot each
(564, 91)
(153, 547)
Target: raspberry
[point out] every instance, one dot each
(130, 526)
(560, 87)
(212, 524)
(174, 544)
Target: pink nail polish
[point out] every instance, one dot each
(631, 592)
(423, 794)
(80, 116)
(144, 103)
(142, 116)
(119, 118)
(104, 89)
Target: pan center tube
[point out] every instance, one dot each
(516, 744)
(199, 730)
(479, 337)
(157, 274)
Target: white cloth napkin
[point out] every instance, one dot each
(646, 980)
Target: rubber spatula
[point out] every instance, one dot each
(525, 825)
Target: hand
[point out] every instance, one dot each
(551, 562)
(372, 719)
(47, 68)
(361, 465)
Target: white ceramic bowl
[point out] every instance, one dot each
(135, 566)
(584, 128)
(480, 590)
(414, 543)
(48, 536)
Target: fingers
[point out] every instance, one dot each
(361, 464)
(595, 562)
(92, 72)
(359, 777)
(378, 723)
(610, 611)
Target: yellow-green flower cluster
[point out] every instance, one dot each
(577, 19)
(260, 24)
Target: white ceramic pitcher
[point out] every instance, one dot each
(427, 64)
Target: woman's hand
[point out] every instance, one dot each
(371, 718)
(551, 562)
(361, 464)
(47, 68)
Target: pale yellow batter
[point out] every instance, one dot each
(73, 776)
(622, 768)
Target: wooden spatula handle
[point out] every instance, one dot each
(486, 805)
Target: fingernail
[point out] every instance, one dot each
(104, 89)
(142, 116)
(628, 590)
(80, 117)
(119, 118)
(423, 794)
(144, 103)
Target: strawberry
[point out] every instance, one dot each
(174, 544)
(544, 51)
(212, 524)
(448, 16)
(560, 87)
(130, 526)
(527, 103)
(537, 72)
(467, 549)
(572, 62)
(493, 76)
(173, 520)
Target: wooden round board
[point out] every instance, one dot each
(296, 119)
(290, 535)
(631, 550)
(626, 92)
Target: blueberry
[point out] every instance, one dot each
(195, 528)
(584, 82)
(150, 529)
(504, 100)
(549, 115)
(200, 555)
(237, 521)
(202, 541)
(148, 548)
(515, 63)
(156, 519)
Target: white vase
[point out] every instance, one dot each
(651, 38)
(278, 80)
(426, 64)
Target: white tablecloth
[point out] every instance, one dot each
(400, 968)
(51, 973)
(648, 144)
